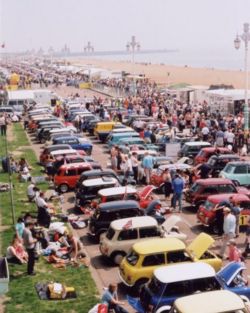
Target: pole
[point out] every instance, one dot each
(133, 65)
(246, 107)
(10, 182)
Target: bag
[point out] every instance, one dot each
(99, 308)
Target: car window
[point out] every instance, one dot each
(149, 232)
(115, 197)
(132, 258)
(154, 259)
(240, 169)
(128, 234)
(71, 172)
(229, 168)
(181, 288)
(178, 256)
(226, 188)
(248, 169)
(110, 233)
(204, 284)
(210, 190)
(81, 170)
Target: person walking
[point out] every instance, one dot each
(3, 125)
(29, 243)
(110, 298)
(166, 177)
(135, 164)
(234, 254)
(148, 164)
(229, 227)
(178, 186)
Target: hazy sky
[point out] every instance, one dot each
(109, 24)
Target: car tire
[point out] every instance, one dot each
(198, 204)
(190, 161)
(117, 257)
(63, 188)
(213, 229)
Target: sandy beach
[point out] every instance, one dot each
(177, 74)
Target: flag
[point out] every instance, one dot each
(125, 193)
(128, 225)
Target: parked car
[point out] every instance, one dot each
(238, 172)
(105, 173)
(61, 160)
(157, 175)
(143, 197)
(68, 175)
(136, 141)
(207, 216)
(123, 233)
(218, 162)
(138, 266)
(202, 188)
(46, 151)
(76, 143)
(205, 153)
(100, 221)
(219, 301)
(191, 149)
(90, 187)
(102, 129)
(115, 138)
(172, 282)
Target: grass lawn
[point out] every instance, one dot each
(22, 296)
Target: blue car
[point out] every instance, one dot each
(172, 282)
(75, 142)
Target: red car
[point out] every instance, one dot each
(203, 188)
(206, 153)
(207, 216)
(67, 176)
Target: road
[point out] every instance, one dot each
(104, 272)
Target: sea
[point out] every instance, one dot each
(226, 60)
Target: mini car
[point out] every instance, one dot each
(138, 266)
(238, 172)
(206, 153)
(207, 216)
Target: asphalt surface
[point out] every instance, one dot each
(103, 271)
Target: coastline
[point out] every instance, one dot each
(177, 74)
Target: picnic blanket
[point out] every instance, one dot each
(54, 291)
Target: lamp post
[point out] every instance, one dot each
(89, 48)
(245, 37)
(133, 46)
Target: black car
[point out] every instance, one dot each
(104, 173)
(110, 211)
(218, 162)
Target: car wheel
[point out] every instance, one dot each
(63, 188)
(198, 204)
(117, 257)
(214, 229)
(137, 286)
(190, 161)
(98, 236)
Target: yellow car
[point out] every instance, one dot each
(138, 266)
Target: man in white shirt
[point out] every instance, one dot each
(229, 227)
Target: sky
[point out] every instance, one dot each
(109, 24)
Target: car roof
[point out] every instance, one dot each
(219, 301)
(99, 172)
(108, 123)
(197, 143)
(66, 137)
(126, 133)
(185, 271)
(226, 196)
(119, 205)
(117, 191)
(99, 181)
(66, 151)
(131, 139)
(226, 156)
(74, 165)
(136, 222)
(158, 245)
(213, 181)
(213, 149)
(59, 146)
(239, 163)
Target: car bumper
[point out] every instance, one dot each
(124, 281)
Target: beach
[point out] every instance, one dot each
(167, 75)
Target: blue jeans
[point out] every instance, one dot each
(177, 197)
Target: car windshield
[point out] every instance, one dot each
(212, 161)
(201, 153)
(209, 205)
(132, 258)
(110, 233)
(229, 168)
(155, 285)
(195, 187)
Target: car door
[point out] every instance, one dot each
(70, 177)
(240, 174)
(126, 239)
(150, 263)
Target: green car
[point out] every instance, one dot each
(238, 172)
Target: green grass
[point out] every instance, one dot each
(22, 296)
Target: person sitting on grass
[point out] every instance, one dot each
(54, 259)
(15, 253)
